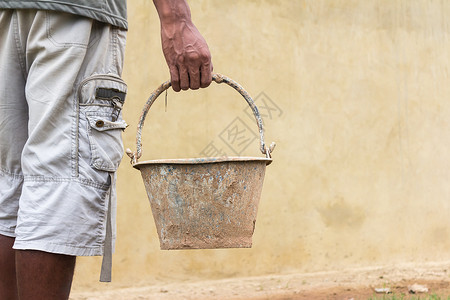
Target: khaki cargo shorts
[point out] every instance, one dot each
(61, 97)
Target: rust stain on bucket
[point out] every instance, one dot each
(204, 203)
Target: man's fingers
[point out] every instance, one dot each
(190, 74)
(184, 78)
(206, 75)
(194, 79)
(192, 63)
(175, 78)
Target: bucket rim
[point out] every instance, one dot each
(202, 160)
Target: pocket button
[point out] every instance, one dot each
(99, 123)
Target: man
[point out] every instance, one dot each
(61, 97)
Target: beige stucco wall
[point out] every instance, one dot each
(360, 92)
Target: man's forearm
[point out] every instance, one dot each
(170, 11)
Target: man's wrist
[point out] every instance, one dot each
(171, 12)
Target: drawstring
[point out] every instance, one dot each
(105, 274)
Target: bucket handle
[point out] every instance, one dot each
(218, 78)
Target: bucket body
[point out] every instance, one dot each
(204, 203)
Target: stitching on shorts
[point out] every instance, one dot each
(97, 246)
(38, 178)
(15, 176)
(94, 247)
(114, 43)
(102, 216)
(20, 53)
(74, 134)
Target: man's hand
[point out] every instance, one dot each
(184, 48)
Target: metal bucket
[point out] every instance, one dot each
(204, 203)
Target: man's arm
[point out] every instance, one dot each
(185, 49)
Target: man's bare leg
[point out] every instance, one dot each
(8, 282)
(44, 276)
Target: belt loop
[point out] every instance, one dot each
(105, 274)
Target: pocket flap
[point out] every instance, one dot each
(102, 123)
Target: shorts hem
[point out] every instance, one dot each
(6, 232)
(59, 249)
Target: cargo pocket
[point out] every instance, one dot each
(101, 98)
(105, 142)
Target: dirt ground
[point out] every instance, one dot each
(343, 285)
